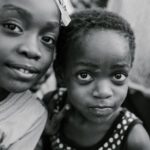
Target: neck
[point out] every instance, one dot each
(3, 94)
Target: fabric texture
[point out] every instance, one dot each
(114, 139)
(22, 120)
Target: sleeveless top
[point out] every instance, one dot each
(114, 139)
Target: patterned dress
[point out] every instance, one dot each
(114, 139)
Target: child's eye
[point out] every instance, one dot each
(119, 77)
(12, 27)
(84, 76)
(48, 40)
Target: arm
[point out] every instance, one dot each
(138, 139)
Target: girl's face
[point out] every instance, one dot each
(28, 32)
(96, 75)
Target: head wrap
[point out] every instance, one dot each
(65, 18)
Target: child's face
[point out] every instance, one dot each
(96, 74)
(28, 31)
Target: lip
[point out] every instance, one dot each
(100, 106)
(23, 72)
(29, 68)
(100, 110)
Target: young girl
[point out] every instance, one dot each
(28, 33)
(94, 58)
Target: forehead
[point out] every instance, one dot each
(106, 39)
(45, 10)
(101, 48)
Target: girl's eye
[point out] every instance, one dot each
(12, 27)
(48, 40)
(84, 77)
(119, 77)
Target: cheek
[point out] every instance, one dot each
(77, 95)
(6, 48)
(45, 63)
(76, 101)
(47, 59)
(121, 94)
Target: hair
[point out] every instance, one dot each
(82, 23)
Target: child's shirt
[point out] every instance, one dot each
(22, 120)
(114, 139)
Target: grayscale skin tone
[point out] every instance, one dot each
(28, 33)
(27, 42)
(96, 77)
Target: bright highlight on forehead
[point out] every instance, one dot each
(96, 47)
(22, 12)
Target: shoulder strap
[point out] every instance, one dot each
(132, 121)
(122, 128)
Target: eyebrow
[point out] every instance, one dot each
(27, 15)
(87, 64)
(19, 10)
(90, 64)
(52, 24)
(122, 65)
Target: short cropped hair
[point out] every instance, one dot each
(85, 21)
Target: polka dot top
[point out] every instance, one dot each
(114, 139)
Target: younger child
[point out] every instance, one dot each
(94, 58)
(28, 33)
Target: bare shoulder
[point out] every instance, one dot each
(138, 138)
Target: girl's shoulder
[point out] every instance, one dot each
(138, 138)
(135, 135)
(117, 136)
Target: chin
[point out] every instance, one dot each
(18, 88)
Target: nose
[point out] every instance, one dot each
(29, 48)
(102, 89)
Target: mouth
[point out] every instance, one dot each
(24, 71)
(100, 110)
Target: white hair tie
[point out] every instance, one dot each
(65, 18)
